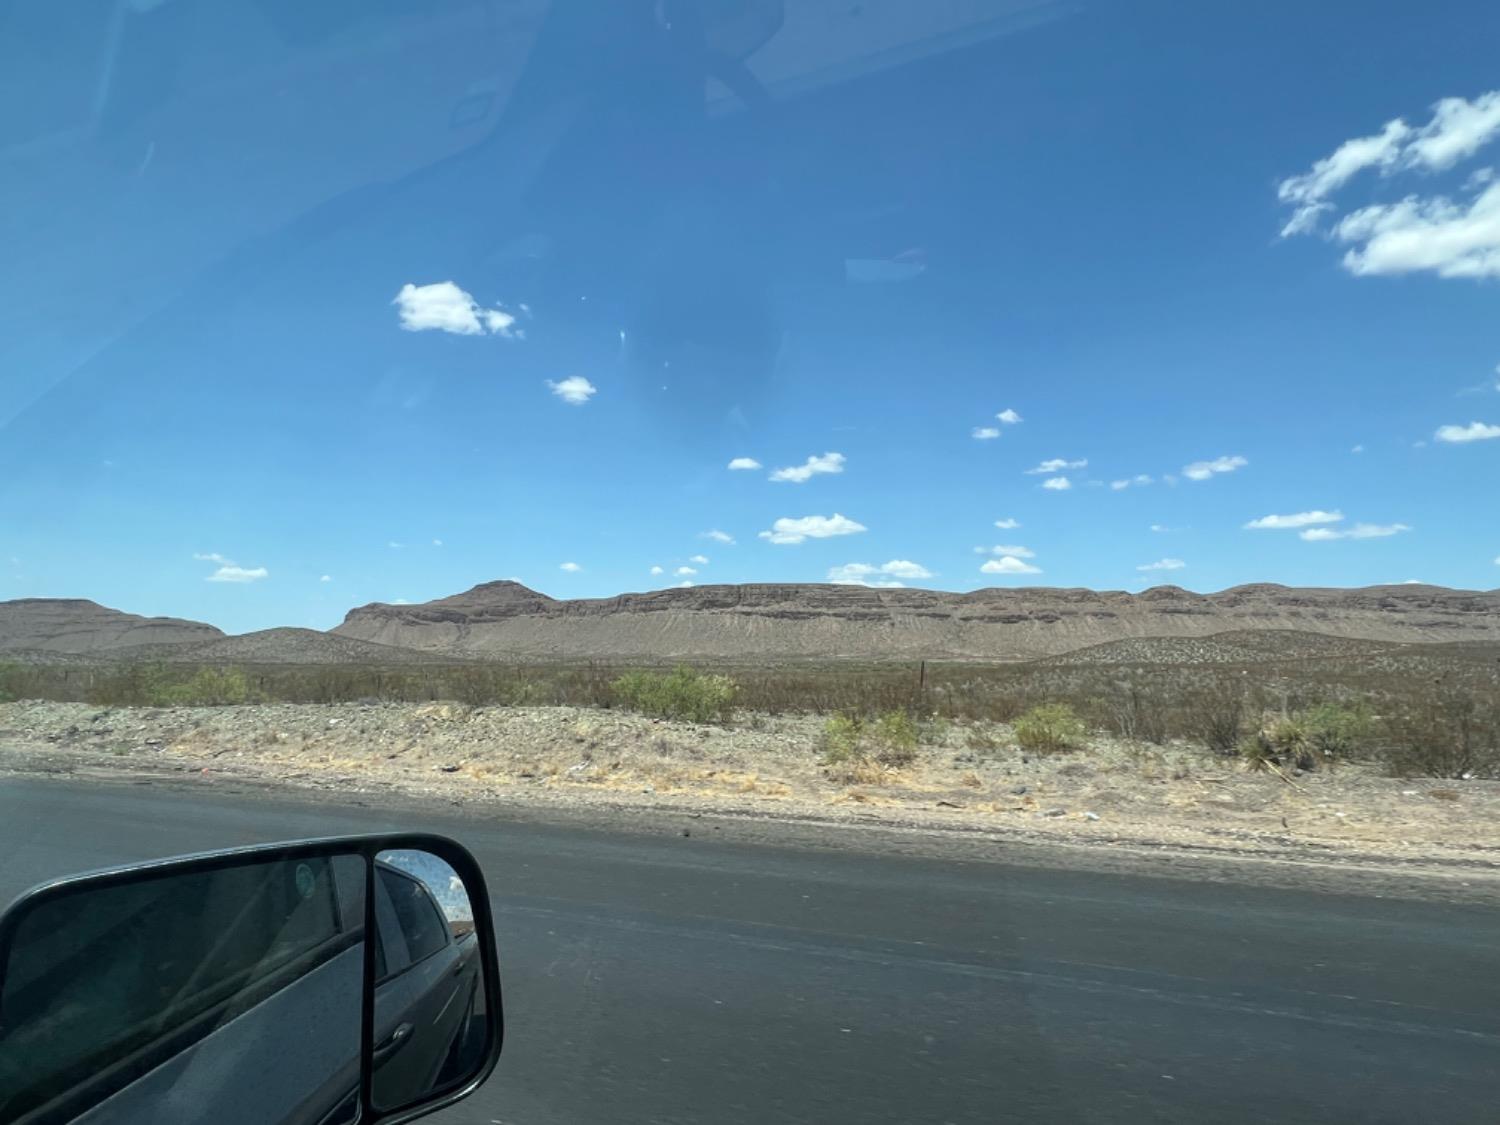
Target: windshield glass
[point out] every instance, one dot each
(981, 425)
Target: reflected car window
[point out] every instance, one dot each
(421, 924)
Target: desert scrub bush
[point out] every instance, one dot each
(679, 694)
(851, 746)
(841, 738)
(894, 736)
(1452, 736)
(209, 687)
(1216, 717)
(1048, 727)
(1282, 743)
(1337, 732)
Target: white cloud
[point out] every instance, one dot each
(984, 433)
(1160, 527)
(447, 308)
(1326, 176)
(1433, 235)
(1008, 565)
(685, 584)
(1054, 464)
(1139, 481)
(1357, 449)
(1358, 531)
(231, 573)
(325, 578)
(1008, 416)
(885, 575)
(437, 542)
(570, 567)
(719, 537)
(797, 474)
(1474, 431)
(741, 464)
(1008, 524)
(684, 571)
(657, 570)
(1006, 549)
(1497, 560)
(1293, 521)
(393, 545)
(1203, 470)
(1459, 128)
(575, 390)
(1057, 484)
(1164, 564)
(701, 560)
(791, 531)
(227, 570)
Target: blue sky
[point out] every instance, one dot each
(376, 308)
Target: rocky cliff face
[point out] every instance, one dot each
(505, 619)
(73, 625)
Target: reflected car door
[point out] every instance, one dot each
(424, 994)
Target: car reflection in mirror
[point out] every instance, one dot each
(430, 1020)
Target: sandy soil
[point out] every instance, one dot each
(967, 778)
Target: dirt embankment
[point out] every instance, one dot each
(970, 778)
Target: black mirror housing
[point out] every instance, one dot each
(325, 981)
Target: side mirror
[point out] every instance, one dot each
(324, 982)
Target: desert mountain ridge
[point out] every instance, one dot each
(759, 621)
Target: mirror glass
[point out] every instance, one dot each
(431, 1024)
(230, 994)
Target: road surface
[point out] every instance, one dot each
(672, 979)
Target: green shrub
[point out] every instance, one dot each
(842, 735)
(1049, 727)
(679, 694)
(208, 687)
(894, 735)
(1337, 732)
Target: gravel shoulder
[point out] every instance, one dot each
(970, 785)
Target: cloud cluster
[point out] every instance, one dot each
(1474, 431)
(718, 537)
(813, 466)
(230, 571)
(1439, 234)
(570, 567)
(1358, 531)
(886, 575)
(743, 464)
(444, 307)
(1056, 464)
(1204, 470)
(1008, 524)
(1163, 564)
(1294, 520)
(1140, 480)
(792, 531)
(575, 390)
(984, 433)
(1008, 564)
(1057, 484)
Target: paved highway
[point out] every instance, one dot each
(672, 979)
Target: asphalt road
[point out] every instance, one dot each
(693, 979)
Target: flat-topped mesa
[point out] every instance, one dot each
(798, 621)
